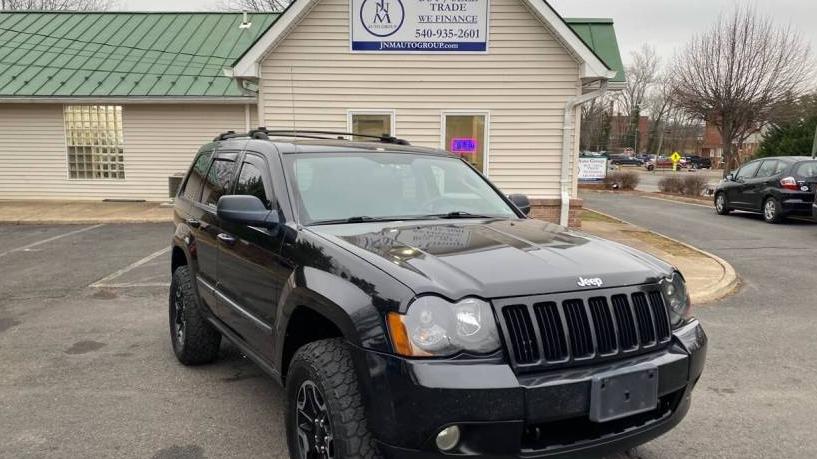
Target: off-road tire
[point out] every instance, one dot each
(328, 364)
(776, 214)
(722, 210)
(200, 341)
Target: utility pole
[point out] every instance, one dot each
(814, 146)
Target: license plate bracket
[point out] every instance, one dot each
(623, 392)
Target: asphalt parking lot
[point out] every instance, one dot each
(88, 370)
(758, 394)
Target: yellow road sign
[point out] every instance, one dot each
(675, 157)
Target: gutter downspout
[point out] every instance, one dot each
(567, 146)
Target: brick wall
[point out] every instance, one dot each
(550, 209)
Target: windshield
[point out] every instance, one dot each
(331, 187)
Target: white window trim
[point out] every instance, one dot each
(486, 163)
(65, 144)
(392, 114)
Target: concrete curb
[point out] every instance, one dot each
(726, 286)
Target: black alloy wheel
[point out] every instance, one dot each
(177, 319)
(315, 439)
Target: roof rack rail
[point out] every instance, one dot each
(264, 133)
(227, 135)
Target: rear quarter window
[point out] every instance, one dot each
(806, 169)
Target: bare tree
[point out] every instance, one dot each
(660, 107)
(596, 117)
(641, 74)
(275, 6)
(56, 5)
(734, 74)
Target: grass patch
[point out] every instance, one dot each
(591, 216)
(663, 243)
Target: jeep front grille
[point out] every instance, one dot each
(578, 327)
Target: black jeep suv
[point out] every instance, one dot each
(413, 310)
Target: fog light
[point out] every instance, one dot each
(448, 438)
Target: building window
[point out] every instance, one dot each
(94, 138)
(371, 122)
(464, 135)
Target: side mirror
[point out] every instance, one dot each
(246, 210)
(730, 177)
(521, 202)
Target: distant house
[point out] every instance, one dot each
(108, 105)
(712, 145)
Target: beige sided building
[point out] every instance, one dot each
(120, 101)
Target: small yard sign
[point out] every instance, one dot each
(592, 169)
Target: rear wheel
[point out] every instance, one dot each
(325, 418)
(195, 341)
(772, 212)
(721, 204)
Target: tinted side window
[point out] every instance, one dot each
(748, 171)
(192, 188)
(218, 180)
(768, 168)
(251, 181)
(806, 169)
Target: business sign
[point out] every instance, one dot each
(463, 145)
(419, 25)
(592, 169)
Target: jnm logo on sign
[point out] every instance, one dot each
(419, 25)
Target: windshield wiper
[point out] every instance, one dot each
(358, 219)
(462, 214)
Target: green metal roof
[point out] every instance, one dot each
(52, 54)
(600, 36)
(140, 54)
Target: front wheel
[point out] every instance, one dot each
(325, 417)
(721, 204)
(772, 212)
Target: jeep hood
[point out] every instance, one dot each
(492, 258)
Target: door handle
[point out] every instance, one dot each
(193, 222)
(226, 238)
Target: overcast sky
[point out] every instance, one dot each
(666, 24)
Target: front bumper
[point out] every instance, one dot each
(504, 415)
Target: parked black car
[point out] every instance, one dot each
(412, 310)
(698, 162)
(775, 187)
(624, 160)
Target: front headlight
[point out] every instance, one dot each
(677, 297)
(435, 327)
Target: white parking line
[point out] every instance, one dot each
(46, 241)
(114, 275)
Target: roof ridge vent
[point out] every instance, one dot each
(245, 20)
